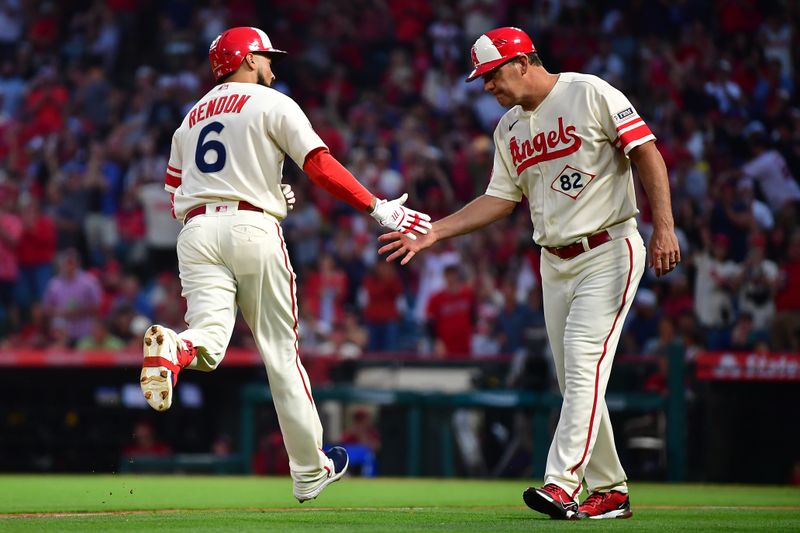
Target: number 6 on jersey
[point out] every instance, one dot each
(203, 147)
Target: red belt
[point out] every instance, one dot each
(201, 210)
(572, 250)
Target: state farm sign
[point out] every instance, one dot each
(742, 366)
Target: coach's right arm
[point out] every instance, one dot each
(480, 212)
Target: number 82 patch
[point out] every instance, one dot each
(571, 181)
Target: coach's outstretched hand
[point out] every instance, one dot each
(401, 246)
(392, 215)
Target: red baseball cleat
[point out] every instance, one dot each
(612, 504)
(164, 356)
(551, 500)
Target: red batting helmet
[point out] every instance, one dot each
(227, 51)
(497, 46)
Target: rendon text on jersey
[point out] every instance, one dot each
(224, 104)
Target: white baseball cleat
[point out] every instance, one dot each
(341, 460)
(164, 356)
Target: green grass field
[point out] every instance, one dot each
(240, 504)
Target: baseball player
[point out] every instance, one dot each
(566, 144)
(224, 175)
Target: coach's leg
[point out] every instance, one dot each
(606, 282)
(556, 295)
(210, 292)
(267, 297)
(604, 471)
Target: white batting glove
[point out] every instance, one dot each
(392, 214)
(288, 194)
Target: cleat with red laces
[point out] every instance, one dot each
(164, 356)
(600, 505)
(551, 500)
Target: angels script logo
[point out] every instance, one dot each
(544, 146)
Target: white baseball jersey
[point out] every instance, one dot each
(231, 146)
(569, 158)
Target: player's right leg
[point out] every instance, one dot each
(164, 356)
(210, 292)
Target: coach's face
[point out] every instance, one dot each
(504, 82)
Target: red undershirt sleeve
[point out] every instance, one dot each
(326, 172)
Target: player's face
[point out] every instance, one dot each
(503, 82)
(264, 75)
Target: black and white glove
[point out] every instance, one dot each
(392, 215)
(288, 194)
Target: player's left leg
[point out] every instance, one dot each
(268, 300)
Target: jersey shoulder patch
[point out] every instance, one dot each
(624, 115)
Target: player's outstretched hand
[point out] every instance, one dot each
(664, 254)
(392, 215)
(288, 194)
(399, 246)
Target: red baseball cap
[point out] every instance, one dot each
(497, 46)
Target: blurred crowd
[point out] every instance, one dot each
(92, 90)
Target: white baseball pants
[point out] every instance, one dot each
(239, 257)
(586, 300)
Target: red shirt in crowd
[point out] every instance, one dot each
(37, 246)
(10, 232)
(46, 104)
(788, 298)
(382, 293)
(451, 314)
(326, 288)
(678, 304)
